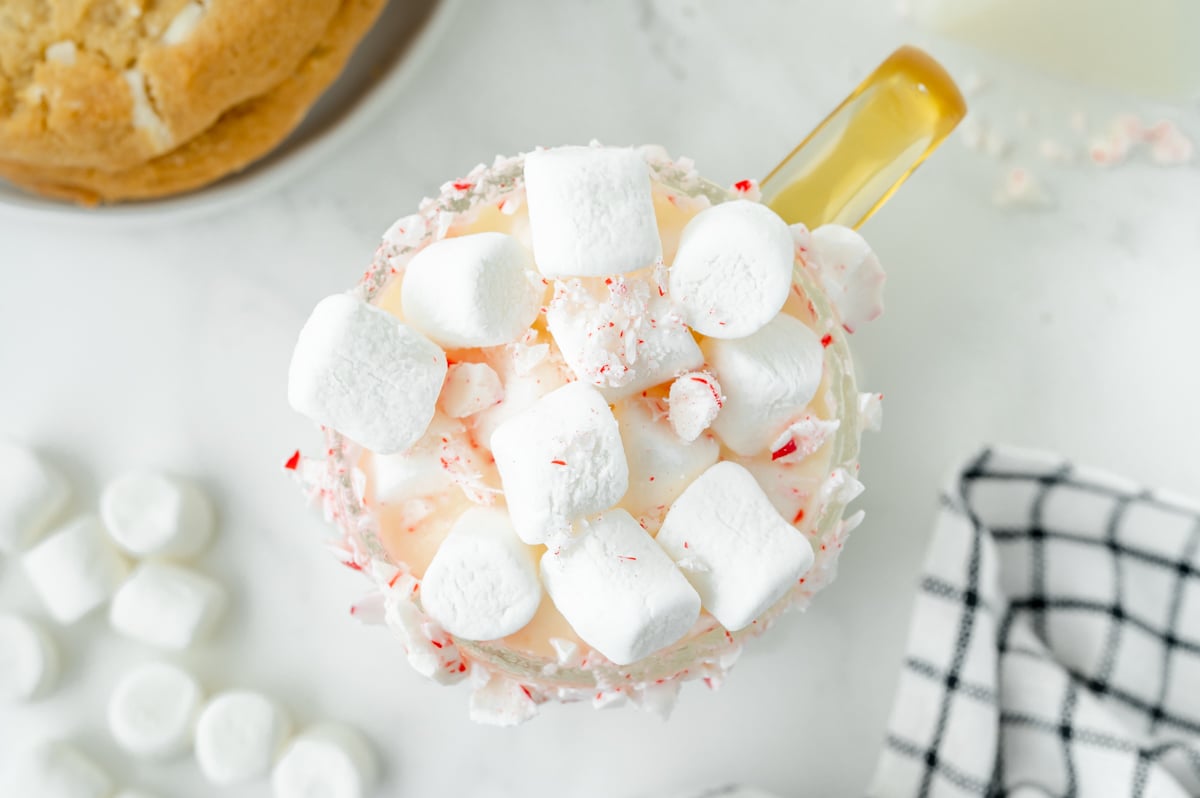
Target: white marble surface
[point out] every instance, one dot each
(168, 344)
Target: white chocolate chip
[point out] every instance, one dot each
(61, 53)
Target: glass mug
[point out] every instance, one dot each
(843, 172)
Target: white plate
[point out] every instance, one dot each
(403, 36)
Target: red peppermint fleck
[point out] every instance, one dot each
(528, 694)
(826, 340)
(785, 450)
(651, 479)
(799, 516)
(626, 557)
(685, 545)
(462, 186)
(608, 281)
(352, 565)
(661, 291)
(462, 666)
(559, 462)
(293, 462)
(743, 185)
(436, 644)
(392, 581)
(353, 609)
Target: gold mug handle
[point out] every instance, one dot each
(855, 160)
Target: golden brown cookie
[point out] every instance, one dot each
(112, 83)
(233, 136)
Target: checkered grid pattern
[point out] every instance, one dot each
(1055, 643)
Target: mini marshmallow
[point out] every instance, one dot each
(358, 370)
(75, 569)
(148, 513)
(590, 211)
(31, 494)
(661, 465)
(28, 659)
(166, 606)
(694, 401)
(238, 736)
(473, 290)
(330, 761)
(559, 460)
(768, 378)
(482, 583)
(746, 556)
(733, 270)
(153, 710)
(620, 335)
(850, 274)
(619, 591)
(54, 770)
(469, 388)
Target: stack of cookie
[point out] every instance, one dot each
(108, 100)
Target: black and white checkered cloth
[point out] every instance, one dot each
(1055, 641)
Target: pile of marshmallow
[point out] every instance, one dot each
(157, 710)
(705, 333)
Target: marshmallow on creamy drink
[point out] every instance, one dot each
(591, 425)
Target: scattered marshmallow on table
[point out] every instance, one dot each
(470, 388)
(618, 589)
(694, 401)
(149, 513)
(328, 760)
(741, 555)
(75, 569)
(591, 213)
(560, 459)
(153, 709)
(54, 770)
(166, 606)
(238, 735)
(850, 273)
(357, 369)
(661, 464)
(482, 583)
(733, 270)
(620, 334)
(28, 659)
(768, 378)
(472, 290)
(31, 494)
